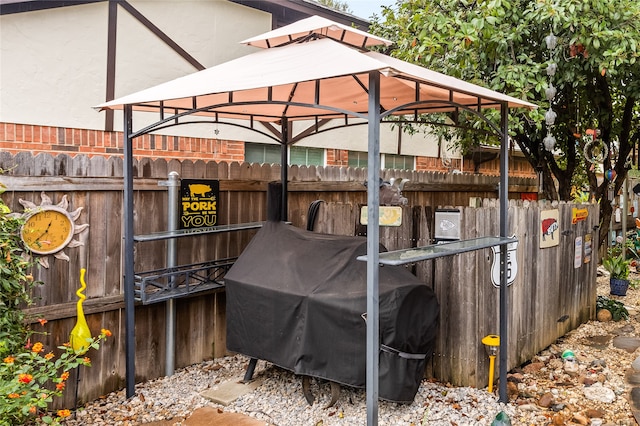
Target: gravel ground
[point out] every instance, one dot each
(593, 390)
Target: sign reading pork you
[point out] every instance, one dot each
(198, 203)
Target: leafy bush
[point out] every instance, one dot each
(617, 309)
(15, 283)
(617, 266)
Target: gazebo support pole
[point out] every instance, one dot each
(373, 231)
(284, 170)
(504, 229)
(127, 206)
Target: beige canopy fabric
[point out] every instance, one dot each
(320, 77)
(316, 25)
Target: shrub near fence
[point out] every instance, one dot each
(461, 282)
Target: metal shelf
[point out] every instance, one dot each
(165, 235)
(163, 284)
(416, 254)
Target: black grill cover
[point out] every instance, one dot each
(297, 298)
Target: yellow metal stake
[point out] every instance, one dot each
(491, 343)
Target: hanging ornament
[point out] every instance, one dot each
(595, 151)
(610, 174)
(549, 142)
(550, 117)
(550, 92)
(551, 41)
(551, 69)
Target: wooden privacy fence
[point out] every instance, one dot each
(540, 296)
(553, 292)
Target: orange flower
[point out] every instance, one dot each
(64, 413)
(44, 396)
(9, 360)
(25, 378)
(32, 409)
(64, 376)
(66, 344)
(49, 356)
(13, 395)
(60, 386)
(37, 347)
(42, 321)
(106, 332)
(86, 360)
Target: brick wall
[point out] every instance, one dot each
(16, 138)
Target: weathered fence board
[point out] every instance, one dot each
(546, 289)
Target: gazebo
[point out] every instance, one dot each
(309, 77)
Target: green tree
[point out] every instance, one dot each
(501, 45)
(342, 6)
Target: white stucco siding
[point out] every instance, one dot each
(354, 138)
(53, 63)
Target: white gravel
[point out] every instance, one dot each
(593, 392)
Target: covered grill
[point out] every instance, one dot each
(298, 299)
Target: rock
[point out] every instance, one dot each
(533, 367)
(636, 364)
(512, 391)
(627, 343)
(557, 420)
(546, 400)
(571, 368)
(594, 414)
(604, 315)
(597, 392)
(580, 419)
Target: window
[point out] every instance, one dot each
(303, 156)
(399, 162)
(357, 159)
(261, 153)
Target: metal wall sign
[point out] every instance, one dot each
(447, 225)
(512, 264)
(199, 203)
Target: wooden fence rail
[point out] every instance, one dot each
(548, 298)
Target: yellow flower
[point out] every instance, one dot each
(37, 347)
(13, 395)
(9, 360)
(49, 356)
(64, 413)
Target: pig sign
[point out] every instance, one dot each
(198, 203)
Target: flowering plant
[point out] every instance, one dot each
(30, 379)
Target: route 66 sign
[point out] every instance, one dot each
(512, 264)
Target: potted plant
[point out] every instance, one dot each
(618, 268)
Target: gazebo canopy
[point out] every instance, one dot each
(317, 70)
(314, 70)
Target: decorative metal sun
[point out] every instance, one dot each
(49, 228)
